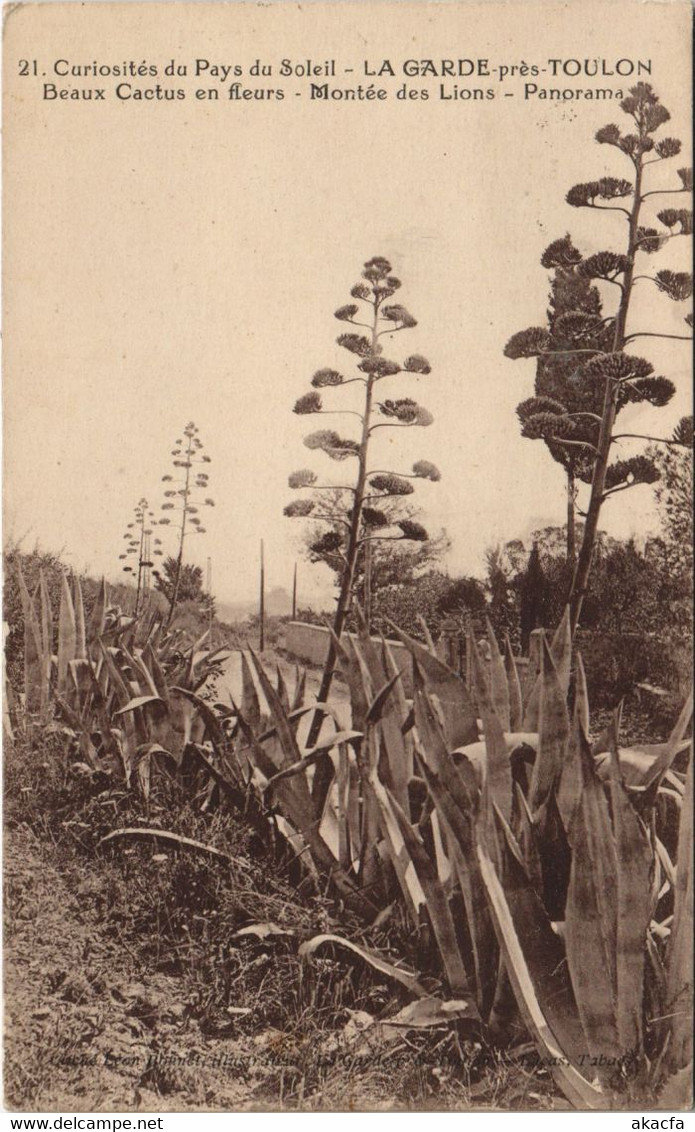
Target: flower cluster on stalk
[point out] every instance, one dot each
(581, 355)
(373, 316)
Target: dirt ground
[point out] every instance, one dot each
(91, 1024)
(86, 1027)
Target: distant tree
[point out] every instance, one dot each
(618, 378)
(674, 496)
(190, 580)
(432, 597)
(391, 563)
(533, 598)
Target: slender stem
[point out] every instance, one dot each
(571, 531)
(353, 547)
(639, 436)
(184, 512)
(386, 472)
(140, 557)
(337, 412)
(654, 334)
(574, 443)
(662, 192)
(610, 408)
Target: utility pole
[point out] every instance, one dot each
(262, 601)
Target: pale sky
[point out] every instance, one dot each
(169, 261)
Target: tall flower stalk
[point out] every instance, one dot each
(364, 522)
(184, 498)
(140, 546)
(620, 378)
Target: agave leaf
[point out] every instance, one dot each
(663, 761)
(635, 865)
(553, 732)
(571, 784)
(397, 747)
(96, 621)
(353, 673)
(46, 623)
(666, 862)
(408, 979)
(139, 702)
(436, 903)
(236, 793)
(205, 712)
(442, 856)
(590, 917)
(312, 756)
(555, 857)
(342, 802)
(263, 930)
(498, 771)
(67, 634)
(677, 1093)
(383, 709)
(378, 704)
(80, 630)
(46, 615)
(561, 652)
(283, 694)
(637, 763)
(581, 695)
(426, 634)
(680, 950)
(499, 685)
(33, 672)
(249, 696)
(288, 741)
(139, 665)
(460, 717)
(115, 674)
(428, 724)
(140, 833)
(299, 689)
(516, 706)
(426, 1012)
(405, 870)
(455, 793)
(527, 839)
(535, 964)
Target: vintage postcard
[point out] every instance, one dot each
(296, 818)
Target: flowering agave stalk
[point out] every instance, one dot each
(363, 523)
(139, 545)
(183, 497)
(606, 370)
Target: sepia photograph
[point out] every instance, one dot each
(296, 820)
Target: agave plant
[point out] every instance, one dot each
(556, 849)
(128, 691)
(551, 871)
